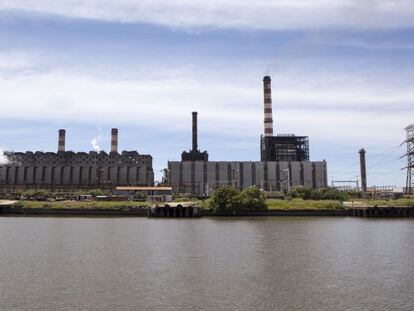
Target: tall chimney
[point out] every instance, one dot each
(195, 144)
(114, 141)
(268, 115)
(61, 140)
(363, 170)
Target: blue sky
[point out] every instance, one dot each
(342, 73)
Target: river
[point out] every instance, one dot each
(268, 263)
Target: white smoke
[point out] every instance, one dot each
(3, 158)
(95, 144)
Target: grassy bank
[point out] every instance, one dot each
(272, 204)
(301, 204)
(81, 205)
(398, 202)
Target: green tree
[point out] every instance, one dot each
(225, 200)
(252, 198)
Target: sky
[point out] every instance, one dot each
(342, 74)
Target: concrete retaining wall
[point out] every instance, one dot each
(283, 213)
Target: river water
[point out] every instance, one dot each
(269, 263)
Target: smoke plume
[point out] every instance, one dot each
(3, 158)
(95, 144)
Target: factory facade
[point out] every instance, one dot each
(202, 177)
(67, 170)
(284, 163)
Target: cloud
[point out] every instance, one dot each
(354, 107)
(235, 14)
(14, 61)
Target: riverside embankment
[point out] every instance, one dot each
(12, 208)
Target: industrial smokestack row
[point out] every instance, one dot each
(61, 140)
(114, 141)
(268, 115)
(195, 134)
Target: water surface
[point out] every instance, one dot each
(268, 263)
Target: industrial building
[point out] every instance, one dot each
(284, 163)
(282, 147)
(202, 177)
(69, 171)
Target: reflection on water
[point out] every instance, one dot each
(206, 264)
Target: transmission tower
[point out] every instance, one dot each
(409, 186)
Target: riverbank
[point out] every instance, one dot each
(143, 212)
(295, 207)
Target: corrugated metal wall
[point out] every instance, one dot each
(200, 177)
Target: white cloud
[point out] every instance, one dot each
(323, 111)
(245, 14)
(15, 61)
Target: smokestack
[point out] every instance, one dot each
(268, 115)
(363, 170)
(195, 143)
(114, 141)
(61, 140)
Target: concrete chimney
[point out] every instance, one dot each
(268, 115)
(61, 140)
(114, 141)
(363, 170)
(195, 134)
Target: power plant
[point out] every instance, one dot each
(71, 171)
(284, 163)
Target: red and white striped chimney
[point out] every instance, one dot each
(114, 140)
(268, 115)
(61, 141)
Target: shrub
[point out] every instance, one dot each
(36, 193)
(96, 192)
(252, 198)
(230, 200)
(334, 194)
(140, 196)
(18, 204)
(224, 200)
(304, 193)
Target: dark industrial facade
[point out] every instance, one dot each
(202, 177)
(284, 148)
(67, 170)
